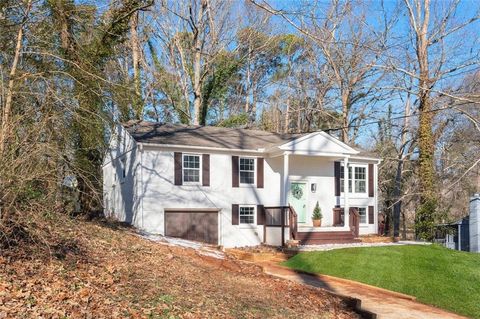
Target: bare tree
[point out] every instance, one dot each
(191, 35)
(435, 59)
(350, 48)
(136, 57)
(7, 106)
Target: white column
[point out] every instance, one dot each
(346, 205)
(285, 182)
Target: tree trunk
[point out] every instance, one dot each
(135, 47)
(397, 208)
(287, 117)
(299, 119)
(247, 85)
(7, 109)
(197, 65)
(345, 110)
(425, 214)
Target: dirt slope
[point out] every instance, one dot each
(113, 273)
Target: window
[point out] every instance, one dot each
(247, 170)
(360, 179)
(342, 177)
(247, 215)
(357, 179)
(191, 168)
(123, 167)
(362, 211)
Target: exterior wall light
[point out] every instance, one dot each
(313, 187)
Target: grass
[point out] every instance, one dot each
(438, 276)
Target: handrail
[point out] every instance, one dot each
(293, 222)
(354, 221)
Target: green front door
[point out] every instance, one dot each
(297, 197)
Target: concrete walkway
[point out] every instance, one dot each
(325, 247)
(384, 303)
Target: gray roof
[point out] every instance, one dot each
(205, 136)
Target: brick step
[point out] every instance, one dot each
(325, 235)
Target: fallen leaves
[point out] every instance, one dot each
(115, 274)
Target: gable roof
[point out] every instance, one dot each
(233, 138)
(318, 141)
(205, 136)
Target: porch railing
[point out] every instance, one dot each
(354, 219)
(281, 216)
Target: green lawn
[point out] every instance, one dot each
(442, 277)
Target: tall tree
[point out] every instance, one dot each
(351, 50)
(434, 61)
(86, 48)
(189, 37)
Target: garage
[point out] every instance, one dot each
(192, 224)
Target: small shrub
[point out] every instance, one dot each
(317, 212)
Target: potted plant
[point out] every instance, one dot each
(317, 216)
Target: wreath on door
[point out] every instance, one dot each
(297, 191)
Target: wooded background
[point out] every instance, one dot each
(398, 78)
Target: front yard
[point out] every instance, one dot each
(103, 271)
(435, 275)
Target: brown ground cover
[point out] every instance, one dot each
(111, 272)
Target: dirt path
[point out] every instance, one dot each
(384, 303)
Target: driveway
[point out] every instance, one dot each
(386, 304)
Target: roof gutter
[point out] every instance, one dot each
(257, 151)
(366, 158)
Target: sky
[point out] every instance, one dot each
(463, 42)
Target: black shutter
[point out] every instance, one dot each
(260, 215)
(337, 178)
(178, 168)
(235, 181)
(371, 219)
(206, 169)
(235, 212)
(260, 172)
(370, 180)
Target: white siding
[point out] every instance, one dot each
(159, 193)
(320, 170)
(148, 189)
(120, 193)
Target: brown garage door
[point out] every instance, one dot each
(197, 225)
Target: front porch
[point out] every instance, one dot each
(281, 224)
